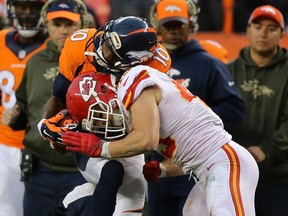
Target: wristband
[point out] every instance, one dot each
(163, 170)
(105, 153)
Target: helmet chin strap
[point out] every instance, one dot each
(28, 33)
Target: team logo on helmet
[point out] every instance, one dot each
(140, 56)
(87, 88)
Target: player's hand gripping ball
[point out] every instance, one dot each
(52, 129)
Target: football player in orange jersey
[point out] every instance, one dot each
(18, 44)
(82, 53)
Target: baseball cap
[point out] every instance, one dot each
(64, 9)
(269, 12)
(172, 10)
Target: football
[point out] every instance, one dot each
(66, 121)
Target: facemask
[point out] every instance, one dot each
(99, 58)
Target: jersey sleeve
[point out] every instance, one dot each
(133, 83)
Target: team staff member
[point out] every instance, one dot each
(260, 72)
(53, 174)
(17, 46)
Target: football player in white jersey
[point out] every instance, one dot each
(163, 115)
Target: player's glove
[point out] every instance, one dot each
(153, 170)
(52, 129)
(86, 143)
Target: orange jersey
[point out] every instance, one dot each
(72, 55)
(12, 64)
(161, 59)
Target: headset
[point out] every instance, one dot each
(80, 4)
(193, 11)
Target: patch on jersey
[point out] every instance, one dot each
(256, 89)
(51, 73)
(22, 54)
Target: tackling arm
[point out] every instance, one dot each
(145, 123)
(153, 170)
(143, 137)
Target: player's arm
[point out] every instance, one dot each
(146, 126)
(143, 137)
(153, 170)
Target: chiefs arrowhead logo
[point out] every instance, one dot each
(87, 87)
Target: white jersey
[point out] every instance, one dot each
(190, 132)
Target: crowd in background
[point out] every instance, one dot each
(219, 10)
(211, 17)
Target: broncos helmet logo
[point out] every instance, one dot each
(139, 56)
(172, 8)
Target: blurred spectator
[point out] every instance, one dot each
(260, 73)
(18, 44)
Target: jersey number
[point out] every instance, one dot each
(161, 56)
(7, 81)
